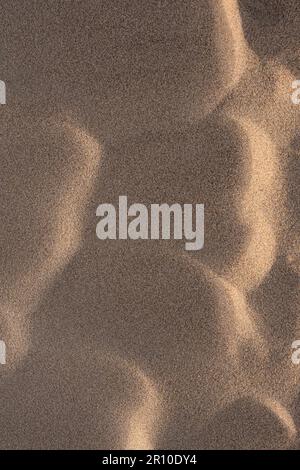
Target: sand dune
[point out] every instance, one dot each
(139, 344)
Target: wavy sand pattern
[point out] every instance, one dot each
(140, 344)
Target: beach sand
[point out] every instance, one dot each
(140, 344)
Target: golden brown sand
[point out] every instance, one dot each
(139, 344)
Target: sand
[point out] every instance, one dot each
(140, 344)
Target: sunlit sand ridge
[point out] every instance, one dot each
(47, 175)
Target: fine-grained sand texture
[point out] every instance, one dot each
(140, 344)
